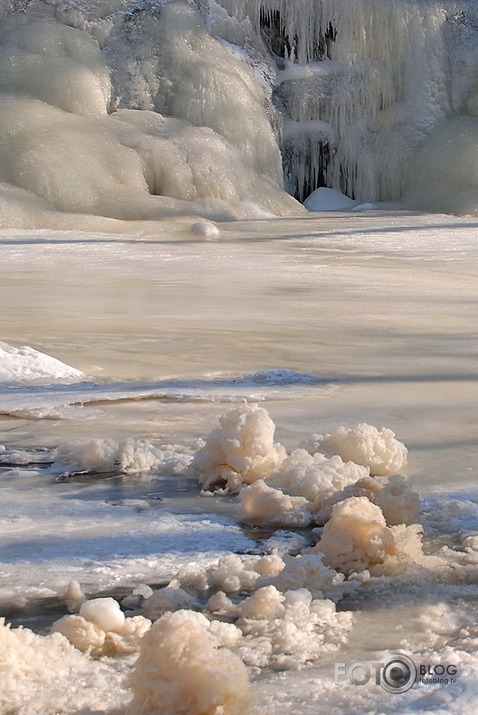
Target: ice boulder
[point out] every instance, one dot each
(241, 450)
(364, 444)
(185, 667)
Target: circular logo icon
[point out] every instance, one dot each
(398, 674)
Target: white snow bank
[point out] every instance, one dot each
(328, 200)
(26, 365)
(241, 450)
(185, 667)
(102, 629)
(364, 444)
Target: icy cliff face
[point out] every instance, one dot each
(157, 108)
(361, 85)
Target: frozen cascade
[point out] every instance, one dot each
(361, 85)
(209, 108)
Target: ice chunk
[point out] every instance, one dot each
(356, 538)
(83, 634)
(241, 450)
(364, 444)
(208, 229)
(104, 613)
(263, 504)
(167, 599)
(288, 630)
(128, 456)
(92, 640)
(184, 668)
(314, 476)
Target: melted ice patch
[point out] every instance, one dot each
(26, 365)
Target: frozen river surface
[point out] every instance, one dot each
(325, 321)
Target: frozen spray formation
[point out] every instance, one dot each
(101, 628)
(240, 450)
(189, 644)
(185, 667)
(146, 110)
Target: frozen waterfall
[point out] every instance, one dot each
(124, 111)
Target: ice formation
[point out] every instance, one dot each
(186, 667)
(279, 606)
(208, 229)
(316, 476)
(356, 538)
(98, 118)
(262, 504)
(128, 456)
(288, 630)
(204, 108)
(241, 450)
(324, 199)
(302, 488)
(364, 444)
(26, 365)
(265, 610)
(102, 629)
(38, 671)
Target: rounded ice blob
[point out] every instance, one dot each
(206, 229)
(185, 668)
(241, 450)
(367, 445)
(328, 200)
(356, 538)
(103, 612)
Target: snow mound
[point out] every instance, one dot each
(25, 365)
(328, 200)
